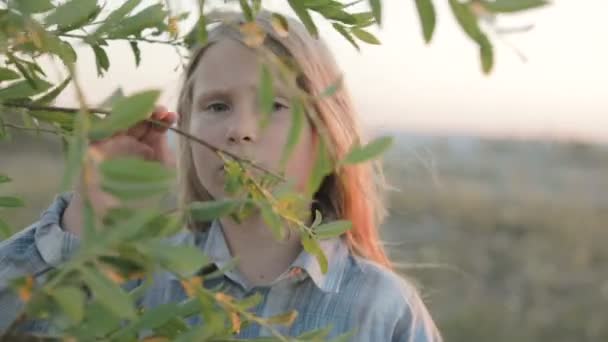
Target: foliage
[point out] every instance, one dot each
(135, 244)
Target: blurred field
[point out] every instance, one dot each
(507, 238)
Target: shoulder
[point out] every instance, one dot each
(389, 300)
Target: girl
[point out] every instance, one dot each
(359, 293)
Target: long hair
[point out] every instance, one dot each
(353, 193)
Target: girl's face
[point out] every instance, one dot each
(225, 112)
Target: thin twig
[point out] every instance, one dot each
(139, 39)
(159, 123)
(30, 128)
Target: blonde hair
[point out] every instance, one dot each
(354, 192)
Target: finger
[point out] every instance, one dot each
(159, 133)
(167, 118)
(140, 129)
(125, 145)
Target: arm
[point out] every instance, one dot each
(33, 251)
(414, 322)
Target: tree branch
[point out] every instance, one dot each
(139, 39)
(38, 129)
(158, 123)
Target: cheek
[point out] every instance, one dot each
(301, 161)
(205, 160)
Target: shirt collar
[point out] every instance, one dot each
(335, 249)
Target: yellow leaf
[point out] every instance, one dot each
(279, 24)
(173, 27)
(113, 275)
(253, 35)
(236, 322)
(25, 291)
(478, 9)
(223, 298)
(190, 285)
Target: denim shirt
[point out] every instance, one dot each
(355, 294)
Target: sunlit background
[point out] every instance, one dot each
(558, 93)
(502, 203)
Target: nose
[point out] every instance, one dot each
(243, 128)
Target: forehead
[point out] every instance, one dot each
(226, 64)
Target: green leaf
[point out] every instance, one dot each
(509, 6)
(154, 317)
(280, 24)
(71, 300)
(136, 52)
(8, 74)
(65, 120)
(101, 59)
(77, 146)
(129, 228)
(52, 95)
(23, 89)
(344, 32)
(487, 54)
(312, 246)
(272, 220)
(136, 170)
(125, 113)
(116, 16)
(426, 12)
(4, 178)
(182, 260)
(468, 22)
(110, 100)
(109, 295)
(285, 319)
(152, 16)
(5, 230)
(295, 130)
(33, 6)
(318, 219)
(322, 167)
(266, 96)
(376, 6)
(250, 301)
(332, 229)
(72, 14)
(66, 53)
(365, 36)
(363, 19)
(337, 14)
(246, 10)
(198, 35)
(332, 89)
(95, 327)
(11, 202)
(369, 151)
(134, 191)
(210, 210)
(302, 13)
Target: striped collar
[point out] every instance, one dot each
(215, 246)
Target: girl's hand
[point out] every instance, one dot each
(143, 140)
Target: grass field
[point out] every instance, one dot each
(508, 239)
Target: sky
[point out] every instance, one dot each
(560, 92)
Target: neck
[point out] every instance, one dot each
(261, 258)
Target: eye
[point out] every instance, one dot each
(277, 106)
(217, 107)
